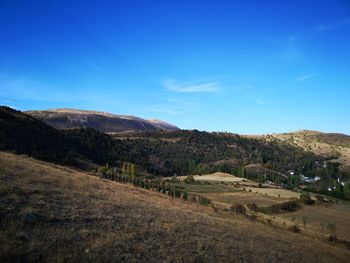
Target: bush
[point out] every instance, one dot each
(204, 201)
(253, 207)
(321, 199)
(238, 208)
(290, 206)
(306, 199)
(177, 193)
(185, 195)
(189, 179)
(332, 238)
(102, 170)
(295, 228)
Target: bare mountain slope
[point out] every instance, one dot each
(50, 213)
(102, 121)
(163, 125)
(331, 145)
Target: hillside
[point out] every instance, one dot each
(102, 121)
(24, 134)
(160, 152)
(50, 213)
(334, 146)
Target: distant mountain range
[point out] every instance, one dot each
(106, 122)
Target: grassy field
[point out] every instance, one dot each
(53, 214)
(318, 217)
(274, 192)
(216, 177)
(244, 198)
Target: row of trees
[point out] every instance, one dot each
(128, 175)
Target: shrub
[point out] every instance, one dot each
(215, 209)
(238, 208)
(332, 238)
(185, 195)
(253, 216)
(321, 199)
(295, 228)
(189, 179)
(194, 198)
(204, 201)
(306, 199)
(290, 206)
(177, 193)
(174, 179)
(102, 170)
(253, 207)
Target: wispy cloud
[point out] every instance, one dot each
(94, 66)
(291, 44)
(304, 77)
(172, 85)
(23, 89)
(333, 26)
(173, 106)
(243, 87)
(291, 51)
(259, 101)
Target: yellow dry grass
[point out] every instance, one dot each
(274, 192)
(218, 177)
(82, 218)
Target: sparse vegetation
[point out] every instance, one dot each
(189, 179)
(295, 228)
(306, 199)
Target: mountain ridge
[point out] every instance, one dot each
(68, 118)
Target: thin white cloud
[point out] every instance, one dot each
(291, 47)
(244, 87)
(305, 77)
(14, 89)
(291, 51)
(333, 26)
(174, 86)
(173, 107)
(259, 101)
(94, 66)
(163, 109)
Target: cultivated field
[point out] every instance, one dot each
(318, 217)
(219, 177)
(275, 192)
(53, 214)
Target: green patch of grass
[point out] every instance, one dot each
(289, 206)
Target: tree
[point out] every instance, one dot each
(306, 220)
(185, 195)
(102, 171)
(189, 179)
(332, 228)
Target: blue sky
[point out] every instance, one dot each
(248, 67)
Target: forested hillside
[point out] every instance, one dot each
(160, 153)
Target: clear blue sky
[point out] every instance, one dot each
(241, 66)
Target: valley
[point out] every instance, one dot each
(156, 195)
(56, 214)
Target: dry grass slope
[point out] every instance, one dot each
(54, 214)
